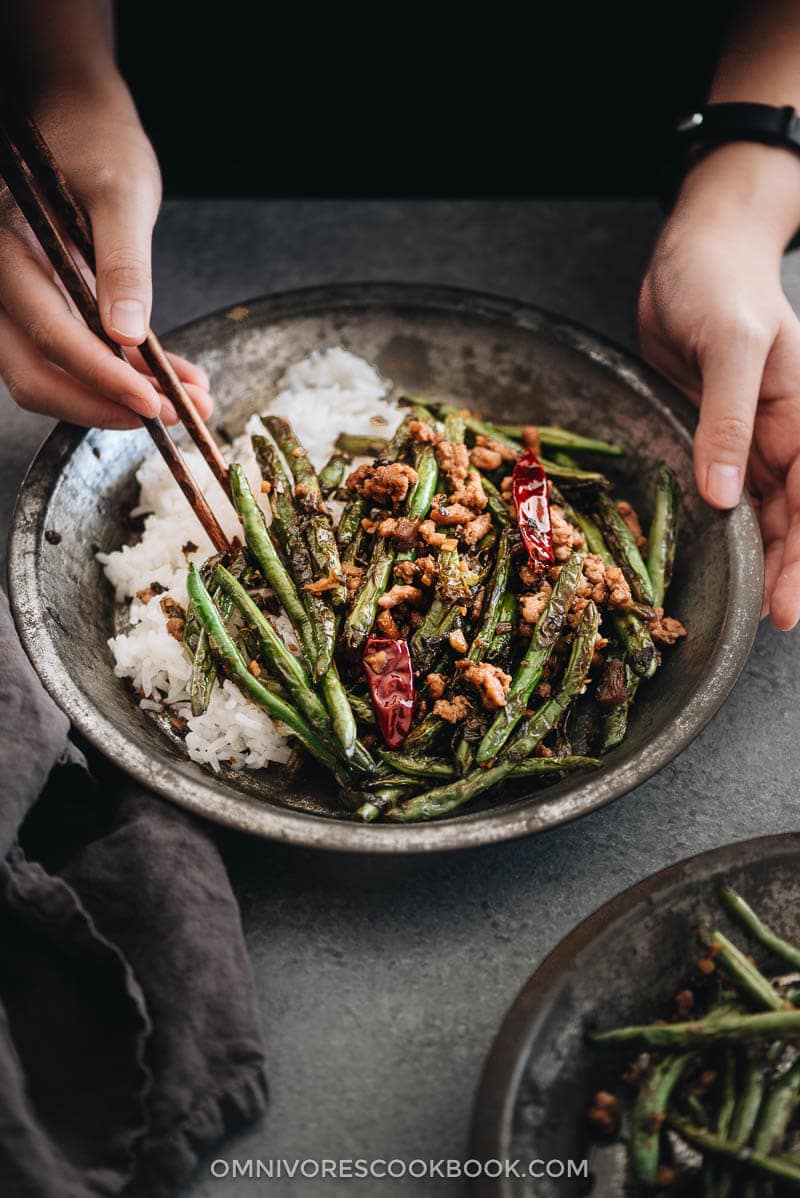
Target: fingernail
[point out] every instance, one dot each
(724, 484)
(127, 319)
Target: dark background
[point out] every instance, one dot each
(539, 100)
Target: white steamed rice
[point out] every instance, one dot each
(329, 391)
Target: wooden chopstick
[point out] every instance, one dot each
(24, 187)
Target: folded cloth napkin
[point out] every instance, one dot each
(129, 1032)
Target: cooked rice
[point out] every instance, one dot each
(329, 391)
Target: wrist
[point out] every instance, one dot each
(744, 186)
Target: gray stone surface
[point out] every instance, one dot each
(382, 984)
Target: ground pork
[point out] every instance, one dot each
(448, 514)
(175, 627)
(565, 537)
(406, 571)
(532, 606)
(453, 461)
(666, 630)
(630, 517)
(619, 592)
(400, 593)
(476, 529)
(431, 535)
(421, 431)
(592, 584)
(385, 486)
(399, 529)
(507, 452)
(452, 710)
(470, 493)
(483, 458)
(427, 570)
(489, 681)
(387, 625)
(436, 684)
(353, 577)
(457, 641)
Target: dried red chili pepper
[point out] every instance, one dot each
(387, 665)
(533, 509)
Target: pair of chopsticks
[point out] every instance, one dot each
(42, 194)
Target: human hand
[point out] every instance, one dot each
(50, 360)
(714, 319)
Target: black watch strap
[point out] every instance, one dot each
(717, 123)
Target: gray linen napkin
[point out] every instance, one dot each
(129, 1032)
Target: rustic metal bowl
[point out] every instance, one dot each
(622, 965)
(506, 358)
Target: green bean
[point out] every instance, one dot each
(332, 474)
(571, 476)
(419, 499)
(286, 526)
(279, 579)
(418, 767)
(615, 723)
(757, 928)
(529, 672)
(361, 616)
(273, 569)
(360, 445)
(744, 975)
(278, 657)
(777, 1168)
(499, 650)
(640, 649)
(235, 667)
(534, 729)
(353, 512)
(308, 497)
(497, 505)
(776, 1113)
(362, 708)
(423, 736)
(455, 426)
(557, 438)
(204, 668)
(663, 533)
(379, 802)
(695, 1033)
(625, 549)
(647, 1117)
(495, 591)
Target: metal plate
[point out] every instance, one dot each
(505, 358)
(622, 965)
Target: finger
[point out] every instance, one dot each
(784, 608)
(773, 519)
(122, 227)
(187, 372)
(38, 386)
(43, 315)
(198, 395)
(732, 370)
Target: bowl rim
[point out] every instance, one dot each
(520, 818)
(508, 1056)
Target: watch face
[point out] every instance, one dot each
(693, 121)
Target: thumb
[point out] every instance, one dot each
(122, 232)
(732, 369)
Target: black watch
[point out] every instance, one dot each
(715, 124)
